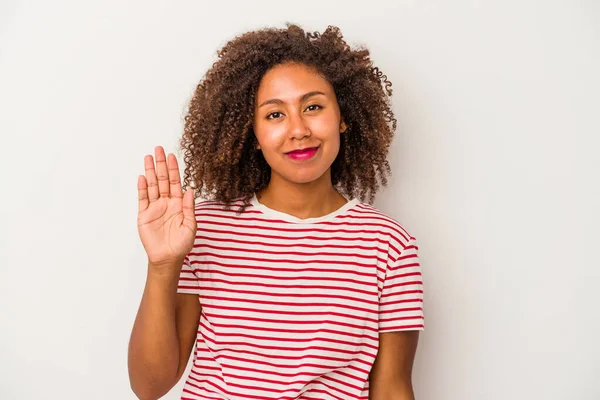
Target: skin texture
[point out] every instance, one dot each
(287, 119)
(165, 327)
(391, 375)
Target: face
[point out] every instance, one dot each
(297, 109)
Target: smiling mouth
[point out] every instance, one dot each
(304, 154)
(303, 151)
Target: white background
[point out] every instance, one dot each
(496, 173)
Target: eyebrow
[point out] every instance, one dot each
(304, 97)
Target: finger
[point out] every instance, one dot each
(188, 206)
(174, 178)
(142, 193)
(162, 174)
(151, 178)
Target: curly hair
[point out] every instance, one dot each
(219, 144)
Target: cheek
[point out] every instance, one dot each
(326, 126)
(272, 141)
(272, 144)
(269, 136)
(334, 146)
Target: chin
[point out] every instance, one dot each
(305, 180)
(304, 176)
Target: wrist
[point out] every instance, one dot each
(164, 271)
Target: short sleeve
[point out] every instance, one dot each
(188, 281)
(401, 300)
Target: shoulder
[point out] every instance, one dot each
(373, 216)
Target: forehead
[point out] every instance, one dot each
(289, 81)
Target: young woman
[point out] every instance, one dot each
(286, 281)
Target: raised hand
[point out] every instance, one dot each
(166, 221)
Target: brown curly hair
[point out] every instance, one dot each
(219, 144)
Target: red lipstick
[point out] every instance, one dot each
(303, 154)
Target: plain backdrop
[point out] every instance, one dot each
(495, 172)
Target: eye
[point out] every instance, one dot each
(314, 105)
(274, 115)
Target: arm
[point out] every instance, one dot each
(162, 338)
(391, 375)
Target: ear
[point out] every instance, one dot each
(257, 144)
(343, 126)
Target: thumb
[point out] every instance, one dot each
(188, 205)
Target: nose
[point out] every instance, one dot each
(297, 127)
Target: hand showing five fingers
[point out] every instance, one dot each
(166, 221)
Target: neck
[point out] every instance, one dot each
(308, 200)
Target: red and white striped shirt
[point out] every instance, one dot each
(292, 308)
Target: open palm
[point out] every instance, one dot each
(166, 221)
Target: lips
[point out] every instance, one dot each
(302, 155)
(302, 151)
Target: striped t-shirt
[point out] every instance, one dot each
(292, 308)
